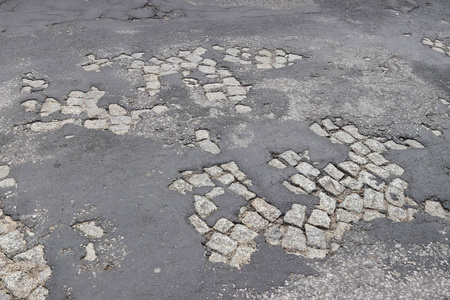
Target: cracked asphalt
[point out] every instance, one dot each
(233, 149)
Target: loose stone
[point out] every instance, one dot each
(50, 106)
(277, 164)
(254, 221)
(242, 234)
(354, 132)
(293, 189)
(90, 253)
(375, 145)
(217, 191)
(378, 171)
(241, 190)
(294, 239)
(343, 137)
(199, 225)
(214, 171)
(397, 214)
(371, 180)
(318, 130)
(90, 230)
(370, 215)
(204, 206)
(307, 170)
(351, 183)
(208, 146)
(435, 208)
(242, 256)
(296, 215)
(327, 203)
(303, 182)
(8, 183)
(331, 185)
(377, 159)
(273, 234)
(199, 180)
(356, 158)
(346, 216)
(329, 125)
(333, 172)
(221, 243)
(319, 218)
(217, 258)
(353, 202)
(223, 225)
(395, 196)
(350, 168)
(360, 148)
(226, 179)
(117, 110)
(29, 105)
(290, 157)
(242, 109)
(315, 237)
(394, 146)
(268, 211)
(374, 199)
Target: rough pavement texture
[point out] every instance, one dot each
(193, 149)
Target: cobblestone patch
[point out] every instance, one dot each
(365, 187)
(33, 83)
(82, 109)
(23, 267)
(437, 45)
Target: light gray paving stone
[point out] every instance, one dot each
(435, 208)
(209, 62)
(241, 256)
(96, 124)
(377, 159)
(242, 234)
(71, 110)
(90, 229)
(395, 196)
(273, 234)
(296, 215)
(221, 243)
(214, 171)
(213, 87)
(340, 230)
(217, 191)
(189, 65)
(199, 180)
(410, 214)
(329, 125)
(200, 51)
(234, 90)
(216, 96)
(353, 202)
(318, 130)
(394, 146)
(264, 66)
(231, 58)
(119, 129)
(333, 171)
(194, 58)
(357, 158)
(316, 253)
(267, 210)
(315, 237)
(180, 186)
(331, 185)
(345, 216)
(151, 69)
(120, 120)
(370, 215)
(20, 284)
(379, 171)
(414, 144)
(8, 183)
(208, 146)
(374, 200)
(370, 179)
(90, 253)
(290, 157)
(231, 81)
(263, 59)
(399, 184)
(254, 221)
(319, 218)
(224, 73)
(242, 109)
(397, 214)
(223, 225)
(375, 145)
(7, 224)
(352, 183)
(199, 225)
(354, 132)
(293, 188)
(226, 179)
(29, 105)
(50, 106)
(242, 190)
(201, 135)
(207, 69)
(294, 239)
(360, 149)
(293, 57)
(344, 137)
(350, 168)
(276, 163)
(306, 184)
(327, 203)
(233, 51)
(230, 167)
(12, 242)
(203, 206)
(40, 293)
(239, 175)
(217, 258)
(394, 169)
(307, 169)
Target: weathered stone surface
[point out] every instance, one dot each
(40, 293)
(374, 200)
(375, 145)
(226, 179)
(316, 253)
(307, 170)
(394, 169)
(379, 171)
(346, 216)
(319, 218)
(199, 180)
(395, 196)
(116, 110)
(242, 234)
(241, 256)
(214, 171)
(333, 172)
(329, 125)
(50, 106)
(273, 234)
(90, 253)
(241, 190)
(327, 203)
(293, 188)
(318, 130)
(180, 186)
(377, 158)
(254, 221)
(331, 185)
(204, 206)
(351, 183)
(350, 168)
(223, 225)
(90, 230)
(29, 105)
(394, 146)
(8, 183)
(268, 211)
(305, 183)
(343, 137)
(217, 258)
(340, 230)
(34, 256)
(357, 158)
(242, 109)
(435, 208)
(353, 202)
(397, 214)
(296, 215)
(20, 284)
(290, 157)
(12, 242)
(399, 184)
(221, 243)
(414, 144)
(276, 163)
(96, 124)
(215, 192)
(370, 179)
(199, 224)
(230, 167)
(208, 146)
(294, 239)
(360, 149)
(7, 224)
(315, 237)
(354, 132)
